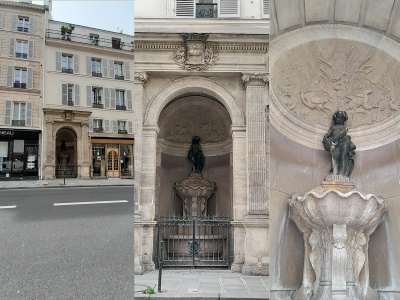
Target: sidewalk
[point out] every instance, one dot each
(69, 182)
(202, 284)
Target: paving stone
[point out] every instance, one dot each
(257, 289)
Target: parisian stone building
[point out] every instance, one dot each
(201, 69)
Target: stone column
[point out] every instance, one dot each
(256, 222)
(49, 142)
(239, 194)
(85, 164)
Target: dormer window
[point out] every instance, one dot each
(94, 39)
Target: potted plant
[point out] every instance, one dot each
(66, 32)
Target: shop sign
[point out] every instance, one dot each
(6, 132)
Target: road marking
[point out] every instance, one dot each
(10, 206)
(93, 202)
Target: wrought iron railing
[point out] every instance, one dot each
(194, 243)
(66, 70)
(21, 55)
(119, 77)
(85, 39)
(18, 123)
(97, 105)
(70, 103)
(120, 107)
(98, 129)
(122, 131)
(206, 10)
(95, 74)
(20, 85)
(66, 171)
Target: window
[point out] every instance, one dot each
(120, 100)
(118, 71)
(66, 64)
(96, 67)
(93, 39)
(116, 43)
(122, 127)
(70, 92)
(20, 78)
(23, 24)
(19, 114)
(96, 97)
(206, 9)
(98, 125)
(22, 49)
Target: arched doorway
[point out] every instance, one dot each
(66, 153)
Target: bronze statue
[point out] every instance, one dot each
(196, 155)
(340, 145)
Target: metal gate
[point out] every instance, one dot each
(194, 243)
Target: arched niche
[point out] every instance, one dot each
(66, 152)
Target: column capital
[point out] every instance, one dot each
(150, 128)
(141, 77)
(255, 79)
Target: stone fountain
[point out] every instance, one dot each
(336, 221)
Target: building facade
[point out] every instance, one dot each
(21, 55)
(201, 69)
(88, 112)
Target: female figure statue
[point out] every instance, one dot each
(196, 155)
(340, 145)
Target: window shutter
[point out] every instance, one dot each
(265, 9)
(29, 83)
(28, 121)
(0, 45)
(64, 92)
(31, 25)
(58, 61)
(228, 8)
(1, 19)
(76, 64)
(30, 49)
(88, 65)
(112, 92)
(185, 8)
(106, 98)
(90, 124)
(107, 126)
(10, 76)
(11, 48)
(111, 64)
(130, 128)
(114, 126)
(88, 96)
(14, 22)
(128, 100)
(7, 116)
(127, 71)
(104, 62)
(77, 95)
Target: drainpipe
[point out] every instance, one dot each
(43, 93)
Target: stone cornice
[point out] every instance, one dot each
(168, 46)
(23, 5)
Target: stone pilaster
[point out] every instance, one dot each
(49, 162)
(256, 120)
(85, 161)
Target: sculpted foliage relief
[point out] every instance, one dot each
(314, 82)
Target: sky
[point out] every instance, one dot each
(108, 15)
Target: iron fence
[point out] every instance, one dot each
(66, 171)
(194, 243)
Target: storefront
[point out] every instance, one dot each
(112, 158)
(19, 153)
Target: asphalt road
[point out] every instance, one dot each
(53, 247)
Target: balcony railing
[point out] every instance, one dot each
(20, 85)
(119, 77)
(120, 107)
(23, 29)
(18, 123)
(70, 103)
(21, 55)
(122, 131)
(98, 129)
(206, 10)
(66, 70)
(97, 105)
(95, 74)
(85, 39)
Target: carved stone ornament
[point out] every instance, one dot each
(195, 55)
(141, 77)
(255, 78)
(315, 79)
(336, 225)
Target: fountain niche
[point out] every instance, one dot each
(336, 221)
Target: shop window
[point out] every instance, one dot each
(126, 160)
(98, 155)
(122, 127)
(66, 64)
(120, 100)
(97, 97)
(20, 78)
(118, 71)
(96, 67)
(22, 49)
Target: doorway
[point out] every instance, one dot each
(112, 163)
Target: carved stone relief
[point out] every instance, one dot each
(317, 78)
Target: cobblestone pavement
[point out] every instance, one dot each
(202, 284)
(69, 182)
